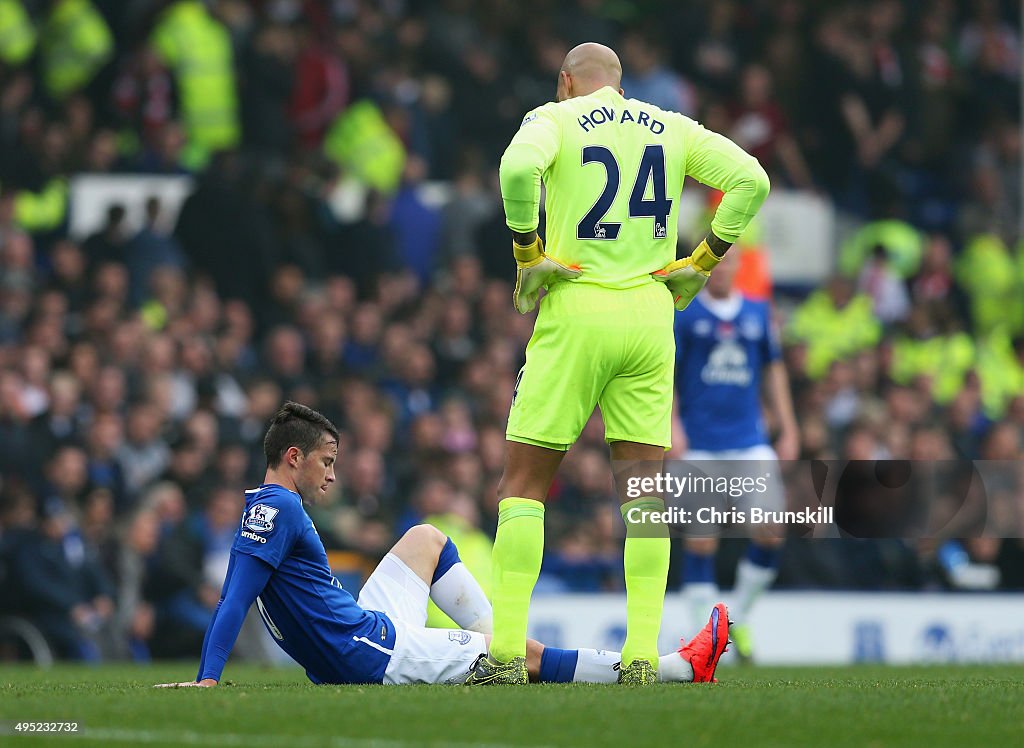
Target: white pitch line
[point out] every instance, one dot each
(189, 737)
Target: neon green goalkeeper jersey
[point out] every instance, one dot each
(613, 172)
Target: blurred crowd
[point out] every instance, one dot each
(139, 366)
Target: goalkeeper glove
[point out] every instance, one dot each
(534, 270)
(686, 277)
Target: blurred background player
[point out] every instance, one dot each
(727, 348)
(603, 337)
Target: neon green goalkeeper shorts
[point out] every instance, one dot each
(597, 346)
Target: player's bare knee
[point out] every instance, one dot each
(426, 539)
(419, 549)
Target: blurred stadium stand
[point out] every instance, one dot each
(209, 207)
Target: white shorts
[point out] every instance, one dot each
(758, 463)
(421, 655)
(761, 452)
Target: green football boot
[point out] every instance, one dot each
(639, 673)
(489, 672)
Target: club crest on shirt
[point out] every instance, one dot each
(750, 328)
(260, 518)
(462, 637)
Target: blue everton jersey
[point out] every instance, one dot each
(722, 347)
(307, 612)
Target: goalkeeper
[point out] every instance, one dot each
(613, 169)
(279, 562)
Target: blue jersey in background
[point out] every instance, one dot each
(722, 346)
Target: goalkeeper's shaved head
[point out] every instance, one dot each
(588, 67)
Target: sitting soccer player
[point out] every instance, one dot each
(278, 561)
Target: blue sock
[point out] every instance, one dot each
(767, 558)
(698, 568)
(448, 558)
(558, 665)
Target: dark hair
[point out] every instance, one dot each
(295, 426)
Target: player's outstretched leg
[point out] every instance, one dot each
(694, 662)
(602, 666)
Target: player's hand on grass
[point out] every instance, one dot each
(534, 270)
(686, 277)
(204, 683)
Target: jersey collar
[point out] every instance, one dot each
(274, 485)
(726, 308)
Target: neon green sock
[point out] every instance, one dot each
(646, 563)
(518, 548)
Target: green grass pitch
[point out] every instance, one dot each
(855, 706)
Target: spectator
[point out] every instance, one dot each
(889, 297)
(62, 422)
(64, 588)
(69, 274)
(190, 569)
(110, 242)
(67, 477)
(760, 128)
(144, 98)
(149, 249)
(321, 87)
(817, 324)
(135, 617)
(646, 77)
(143, 455)
(196, 47)
(75, 42)
(267, 87)
(104, 441)
(412, 387)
